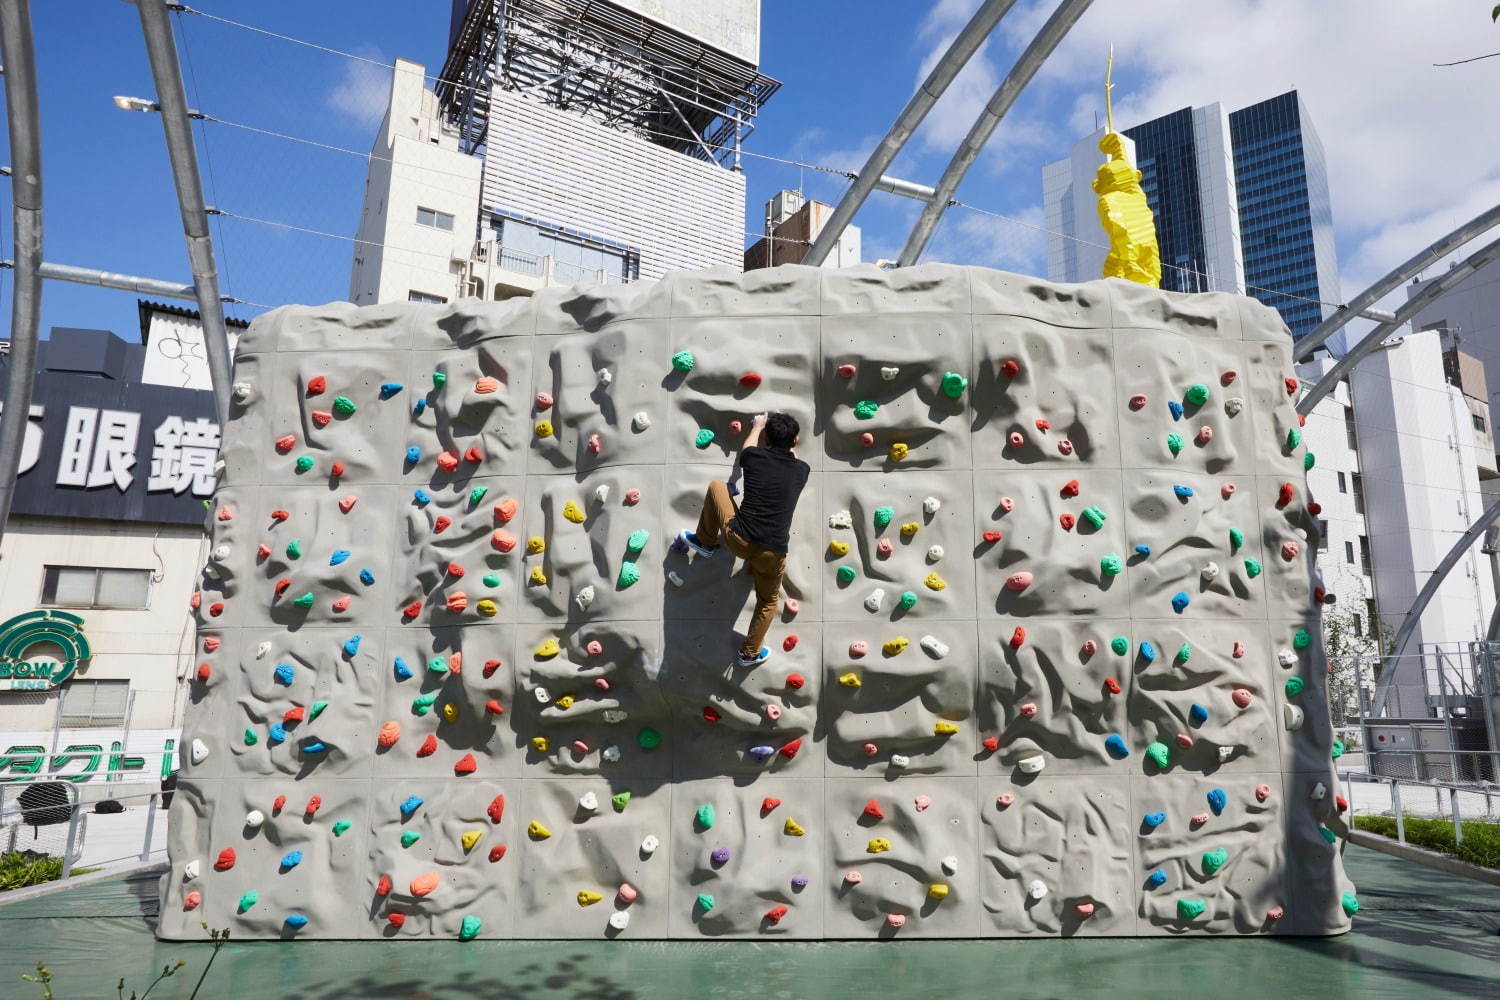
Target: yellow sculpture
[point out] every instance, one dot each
(1123, 211)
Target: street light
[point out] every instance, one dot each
(135, 104)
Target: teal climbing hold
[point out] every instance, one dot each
(1294, 686)
(316, 710)
(1302, 639)
(908, 600)
(1159, 755)
(845, 574)
(250, 738)
(704, 438)
(477, 494)
(883, 516)
(865, 409)
(1236, 539)
(1197, 394)
(468, 928)
(1185, 652)
(682, 361)
(1293, 438)
(422, 703)
(1111, 565)
(630, 574)
(341, 827)
(304, 601)
(1214, 860)
(410, 837)
(637, 541)
(705, 902)
(1120, 645)
(303, 463)
(248, 900)
(1350, 903)
(343, 405)
(1252, 568)
(438, 664)
(439, 379)
(294, 549)
(490, 579)
(648, 738)
(1190, 909)
(1337, 750)
(706, 815)
(1094, 516)
(954, 384)
(1328, 835)
(1308, 461)
(1174, 443)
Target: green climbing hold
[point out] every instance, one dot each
(294, 549)
(1328, 835)
(705, 902)
(491, 579)
(648, 738)
(845, 574)
(316, 710)
(954, 384)
(438, 378)
(250, 738)
(477, 494)
(630, 574)
(1190, 909)
(1294, 686)
(304, 463)
(865, 409)
(1293, 438)
(620, 800)
(1308, 461)
(1094, 516)
(683, 361)
(908, 600)
(1236, 539)
(343, 405)
(1214, 860)
(1111, 565)
(883, 516)
(1174, 443)
(706, 816)
(1197, 394)
(468, 930)
(1120, 645)
(1349, 903)
(422, 703)
(304, 601)
(1337, 750)
(1252, 568)
(1185, 653)
(1302, 639)
(438, 664)
(1159, 755)
(248, 900)
(341, 827)
(704, 438)
(637, 541)
(410, 837)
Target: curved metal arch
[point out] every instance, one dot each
(1373, 340)
(1057, 27)
(959, 53)
(24, 123)
(1430, 589)
(1436, 251)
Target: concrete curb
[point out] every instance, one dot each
(103, 875)
(1424, 857)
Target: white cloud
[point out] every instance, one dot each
(363, 90)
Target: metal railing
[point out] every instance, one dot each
(490, 256)
(1465, 801)
(129, 835)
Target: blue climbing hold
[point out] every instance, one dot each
(413, 454)
(1143, 550)
(1154, 820)
(1116, 747)
(277, 733)
(351, 645)
(1183, 492)
(339, 555)
(366, 577)
(284, 673)
(411, 805)
(1148, 652)
(420, 496)
(314, 746)
(389, 389)
(419, 406)
(1197, 715)
(1180, 601)
(402, 670)
(292, 859)
(761, 753)
(1156, 879)
(1176, 409)
(296, 921)
(1217, 800)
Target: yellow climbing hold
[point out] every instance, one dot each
(898, 451)
(896, 645)
(573, 512)
(944, 728)
(540, 744)
(469, 838)
(536, 545)
(587, 898)
(935, 582)
(565, 702)
(450, 711)
(849, 680)
(909, 528)
(791, 828)
(838, 548)
(487, 607)
(538, 576)
(536, 831)
(547, 649)
(938, 890)
(544, 428)
(878, 846)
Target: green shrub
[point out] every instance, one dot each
(22, 868)
(1481, 844)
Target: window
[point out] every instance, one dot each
(434, 219)
(95, 703)
(1356, 624)
(1322, 536)
(96, 587)
(1478, 422)
(1343, 483)
(1349, 553)
(1364, 554)
(1359, 494)
(430, 299)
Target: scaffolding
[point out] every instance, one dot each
(606, 63)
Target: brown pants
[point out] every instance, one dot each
(769, 567)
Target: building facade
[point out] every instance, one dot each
(792, 224)
(1467, 320)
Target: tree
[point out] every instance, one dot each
(1349, 641)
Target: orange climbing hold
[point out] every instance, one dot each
(466, 765)
(447, 461)
(486, 384)
(423, 885)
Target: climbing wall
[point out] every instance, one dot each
(1047, 663)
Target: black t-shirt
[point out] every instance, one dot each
(774, 478)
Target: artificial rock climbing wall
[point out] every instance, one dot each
(1047, 664)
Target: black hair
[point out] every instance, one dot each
(782, 430)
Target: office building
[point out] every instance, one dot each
(792, 224)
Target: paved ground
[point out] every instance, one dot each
(1419, 934)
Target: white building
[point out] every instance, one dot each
(792, 224)
(1467, 318)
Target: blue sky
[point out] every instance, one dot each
(1365, 67)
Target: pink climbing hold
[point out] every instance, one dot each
(773, 711)
(1184, 740)
(627, 892)
(544, 400)
(853, 878)
(423, 885)
(632, 497)
(196, 601)
(1197, 820)
(1289, 550)
(846, 371)
(595, 647)
(502, 540)
(1019, 581)
(895, 920)
(870, 749)
(486, 384)
(1065, 446)
(1239, 649)
(1005, 800)
(389, 733)
(884, 548)
(1205, 434)
(1010, 368)
(1262, 792)
(506, 509)
(858, 648)
(262, 552)
(225, 514)
(596, 444)
(1138, 401)
(1276, 912)
(210, 643)
(1241, 697)
(1017, 638)
(1007, 504)
(192, 899)
(867, 440)
(1084, 909)
(1017, 440)
(346, 504)
(1090, 647)
(457, 602)
(456, 662)
(735, 427)
(321, 418)
(921, 802)
(792, 605)
(1028, 710)
(1227, 490)
(340, 605)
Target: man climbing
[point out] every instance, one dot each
(758, 532)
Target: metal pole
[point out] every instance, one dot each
(62, 696)
(1053, 32)
(125, 737)
(150, 826)
(114, 279)
(161, 49)
(1396, 808)
(959, 53)
(23, 120)
(1361, 303)
(1458, 826)
(70, 843)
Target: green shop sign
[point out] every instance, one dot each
(24, 666)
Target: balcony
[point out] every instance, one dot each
(497, 271)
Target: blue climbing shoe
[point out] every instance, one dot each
(756, 660)
(690, 539)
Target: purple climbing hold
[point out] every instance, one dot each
(719, 856)
(761, 754)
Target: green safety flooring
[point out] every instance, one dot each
(1419, 933)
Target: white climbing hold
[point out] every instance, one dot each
(254, 818)
(1319, 791)
(650, 844)
(875, 601)
(605, 376)
(614, 715)
(191, 869)
(588, 802)
(584, 598)
(1210, 571)
(1286, 658)
(933, 645)
(1233, 405)
(1293, 718)
(222, 553)
(620, 919)
(931, 505)
(950, 865)
(543, 696)
(1225, 752)
(935, 553)
(641, 420)
(673, 576)
(1032, 763)
(1037, 889)
(602, 493)
(900, 760)
(889, 372)
(242, 392)
(262, 650)
(199, 751)
(843, 519)
(611, 753)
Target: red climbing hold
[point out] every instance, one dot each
(496, 853)
(1185, 741)
(473, 456)
(396, 919)
(282, 585)
(196, 601)
(277, 803)
(1017, 638)
(992, 537)
(789, 643)
(454, 569)
(286, 443)
(790, 750)
(1111, 685)
(1341, 802)
(1314, 508)
(486, 384)
(428, 747)
(225, 860)
(341, 605)
(383, 887)
(441, 523)
(346, 504)
(1043, 425)
(750, 380)
(316, 385)
(1070, 488)
(991, 743)
(496, 809)
(210, 643)
(466, 765)
(294, 714)
(493, 707)
(336, 470)
(1285, 494)
(1291, 385)
(872, 810)
(313, 805)
(846, 371)
(321, 417)
(502, 540)
(280, 515)
(412, 610)
(1301, 420)
(1010, 369)
(262, 552)
(447, 461)
(711, 714)
(489, 668)
(775, 913)
(1067, 521)
(795, 681)
(768, 803)
(457, 602)
(1227, 377)
(204, 670)
(1138, 401)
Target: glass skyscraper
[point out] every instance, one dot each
(1286, 220)
(1166, 153)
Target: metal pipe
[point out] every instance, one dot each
(161, 49)
(23, 120)
(1373, 340)
(113, 279)
(1053, 32)
(959, 53)
(1361, 303)
(906, 189)
(1430, 588)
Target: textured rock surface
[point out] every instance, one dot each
(1034, 683)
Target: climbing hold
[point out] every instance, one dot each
(944, 728)
(898, 451)
(705, 815)
(703, 438)
(1160, 754)
(865, 409)
(909, 529)
(543, 428)
(1115, 745)
(630, 574)
(850, 680)
(789, 643)
(1205, 434)
(390, 732)
(838, 548)
(934, 582)
(1094, 516)
(682, 361)
(1016, 440)
(1197, 715)
(937, 890)
(1180, 601)
(1182, 492)
(1214, 860)
(1190, 909)
(878, 845)
(291, 859)
(705, 902)
(1196, 395)
(934, 647)
(249, 899)
(845, 574)
(1067, 521)
(1152, 820)
(1137, 401)
(1111, 565)
(1175, 408)
(1349, 903)
(1174, 443)
(1294, 686)
(1293, 438)
(1301, 639)
(954, 384)
(225, 860)
(1289, 550)
(1148, 651)
(1217, 799)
